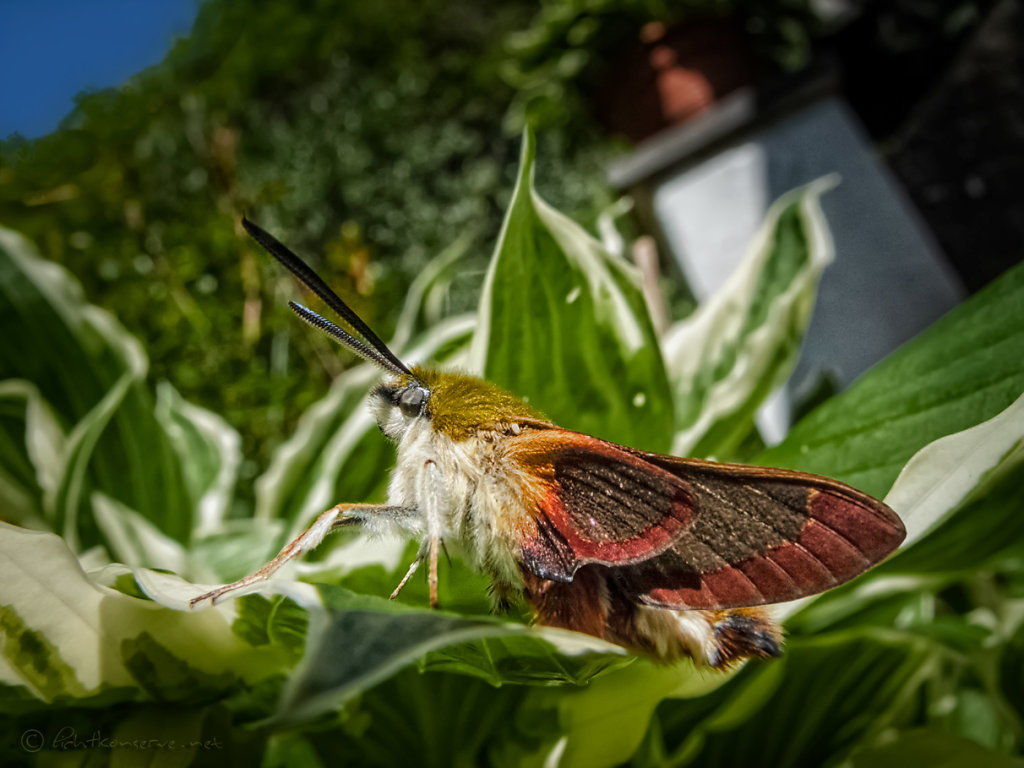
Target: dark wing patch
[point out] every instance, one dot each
(599, 504)
(822, 534)
(682, 533)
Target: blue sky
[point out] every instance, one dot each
(52, 49)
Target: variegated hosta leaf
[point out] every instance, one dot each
(361, 640)
(233, 549)
(949, 473)
(563, 324)
(742, 343)
(32, 446)
(423, 305)
(964, 369)
(66, 638)
(90, 371)
(960, 498)
(304, 471)
(133, 540)
(66, 500)
(210, 450)
(172, 591)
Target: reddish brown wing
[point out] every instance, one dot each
(683, 533)
(595, 502)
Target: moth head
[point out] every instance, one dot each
(400, 404)
(454, 404)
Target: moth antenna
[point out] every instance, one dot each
(350, 341)
(446, 555)
(311, 280)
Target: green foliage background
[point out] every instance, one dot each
(296, 117)
(370, 132)
(375, 134)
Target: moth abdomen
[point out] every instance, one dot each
(742, 633)
(592, 603)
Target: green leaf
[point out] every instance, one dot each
(374, 566)
(32, 446)
(90, 372)
(422, 719)
(1011, 671)
(544, 657)
(729, 355)
(814, 706)
(602, 724)
(210, 453)
(935, 749)
(563, 324)
(964, 369)
(352, 650)
(67, 639)
(168, 734)
(277, 621)
(364, 640)
(960, 498)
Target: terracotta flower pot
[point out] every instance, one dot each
(671, 75)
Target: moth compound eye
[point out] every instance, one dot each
(411, 401)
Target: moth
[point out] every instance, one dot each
(668, 556)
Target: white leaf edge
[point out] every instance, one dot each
(936, 480)
(696, 342)
(133, 539)
(45, 441)
(943, 473)
(172, 591)
(213, 505)
(87, 622)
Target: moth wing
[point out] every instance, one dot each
(593, 502)
(683, 533)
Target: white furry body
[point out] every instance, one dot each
(462, 492)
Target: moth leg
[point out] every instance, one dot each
(334, 518)
(408, 575)
(430, 491)
(447, 557)
(502, 596)
(432, 578)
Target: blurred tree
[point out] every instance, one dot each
(368, 136)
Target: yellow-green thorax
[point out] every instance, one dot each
(461, 405)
